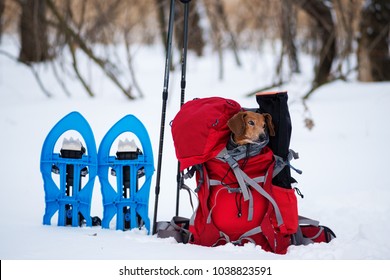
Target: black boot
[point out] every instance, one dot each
(275, 104)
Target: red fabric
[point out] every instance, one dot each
(225, 207)
(288, 206)
(312, 232)
(200, 130)
(203, 233)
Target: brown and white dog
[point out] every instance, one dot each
(250, 128)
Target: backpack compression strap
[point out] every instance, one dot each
(243, 179)
(316, 233)
(280, 163)
(226, 157)
(244, 236)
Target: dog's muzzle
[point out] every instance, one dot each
(262, 140)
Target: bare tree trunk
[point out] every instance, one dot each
(33, 31)
(161, 19)
(288, 35)
(99, 31)
(2, 7)
(346, 11)
(223, 18)
(130, 64)
(73, 39)
(373, 51)
(195, 38)
(321, 13)
(216, 34)
(162, 23)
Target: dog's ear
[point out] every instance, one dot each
(237, 123)
(270, 124)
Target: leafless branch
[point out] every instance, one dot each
(33, 70)
(105, 66)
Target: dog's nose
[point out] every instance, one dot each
(262, 137)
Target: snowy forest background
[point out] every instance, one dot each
(105, 59)
(342, 37)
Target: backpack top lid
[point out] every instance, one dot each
(200, 130)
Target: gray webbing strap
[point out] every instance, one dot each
(248, 150)
(259, 189)
(211, 209)
(250, 206)
(259, 179)
(242, 179)
(245, 236)
(298, 238)
(280, 163)
(224, 156)
(214, 182)
(189, 190)
(307, 221)
(171, 229)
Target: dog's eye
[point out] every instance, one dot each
(252, 123)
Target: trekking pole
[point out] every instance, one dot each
(183, 87)
(164, 109)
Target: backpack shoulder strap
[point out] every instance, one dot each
(226, 157)
(243, 179)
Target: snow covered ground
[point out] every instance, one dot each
(344, 159)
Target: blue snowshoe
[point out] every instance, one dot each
(128, 199)
(69, 197)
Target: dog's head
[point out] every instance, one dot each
(250, 127)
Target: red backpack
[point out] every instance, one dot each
(199, 129)
(237, 201)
